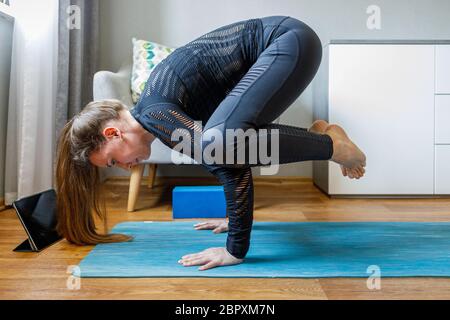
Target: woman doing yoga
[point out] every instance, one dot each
(240, 76)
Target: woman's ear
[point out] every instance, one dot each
(111, 132)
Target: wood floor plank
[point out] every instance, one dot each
(390, 288)
(44, 275)
(163, 289)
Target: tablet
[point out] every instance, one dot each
(37, 213)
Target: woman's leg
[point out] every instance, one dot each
(280, 74)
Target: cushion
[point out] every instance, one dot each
(146, 55)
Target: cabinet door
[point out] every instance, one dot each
(383, 96)
(442, 119)
(442, 177)
(443, 69)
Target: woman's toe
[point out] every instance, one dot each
(350, 173)
(344, 171)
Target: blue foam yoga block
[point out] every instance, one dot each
(198, 202)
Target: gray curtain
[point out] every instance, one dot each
(77, 60)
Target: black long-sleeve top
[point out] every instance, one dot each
(188, 86)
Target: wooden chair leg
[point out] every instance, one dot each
(151, 174)
(135, 183)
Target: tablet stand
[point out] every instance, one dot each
(25, 247)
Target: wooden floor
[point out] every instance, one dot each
(44, 275)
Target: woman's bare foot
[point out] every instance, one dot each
(318, 126)
(345, 152)
(343, 149)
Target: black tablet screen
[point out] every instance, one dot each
(38, 213)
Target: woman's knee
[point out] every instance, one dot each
(306, 36)
(309, 49)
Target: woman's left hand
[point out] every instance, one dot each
(210, 258)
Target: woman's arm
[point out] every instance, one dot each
(238, 187)
(162, 119)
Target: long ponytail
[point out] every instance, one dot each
(79, 190)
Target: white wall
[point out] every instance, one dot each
(176, 22)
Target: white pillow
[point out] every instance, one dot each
(146, 55)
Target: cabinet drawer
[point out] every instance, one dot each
(443, 69)
(442, 169)
(442, 119)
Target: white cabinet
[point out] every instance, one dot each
(442, 174)
(443, 69)
(383, 95)
(442, 119)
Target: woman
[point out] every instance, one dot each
(240, 76)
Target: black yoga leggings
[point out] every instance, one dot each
(290, 59)
(227, 93)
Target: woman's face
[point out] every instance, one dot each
(121, 149)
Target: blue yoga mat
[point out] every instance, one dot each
(279, 249)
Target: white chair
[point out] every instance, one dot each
(110, 85)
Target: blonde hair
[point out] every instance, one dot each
(78, 186)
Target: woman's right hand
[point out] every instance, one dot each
(217, 226)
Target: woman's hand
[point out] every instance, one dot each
(218, 226)
(210, 258)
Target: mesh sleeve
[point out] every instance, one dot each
(238, 187)
(162, 119)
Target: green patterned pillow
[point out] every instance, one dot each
(146, 55)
